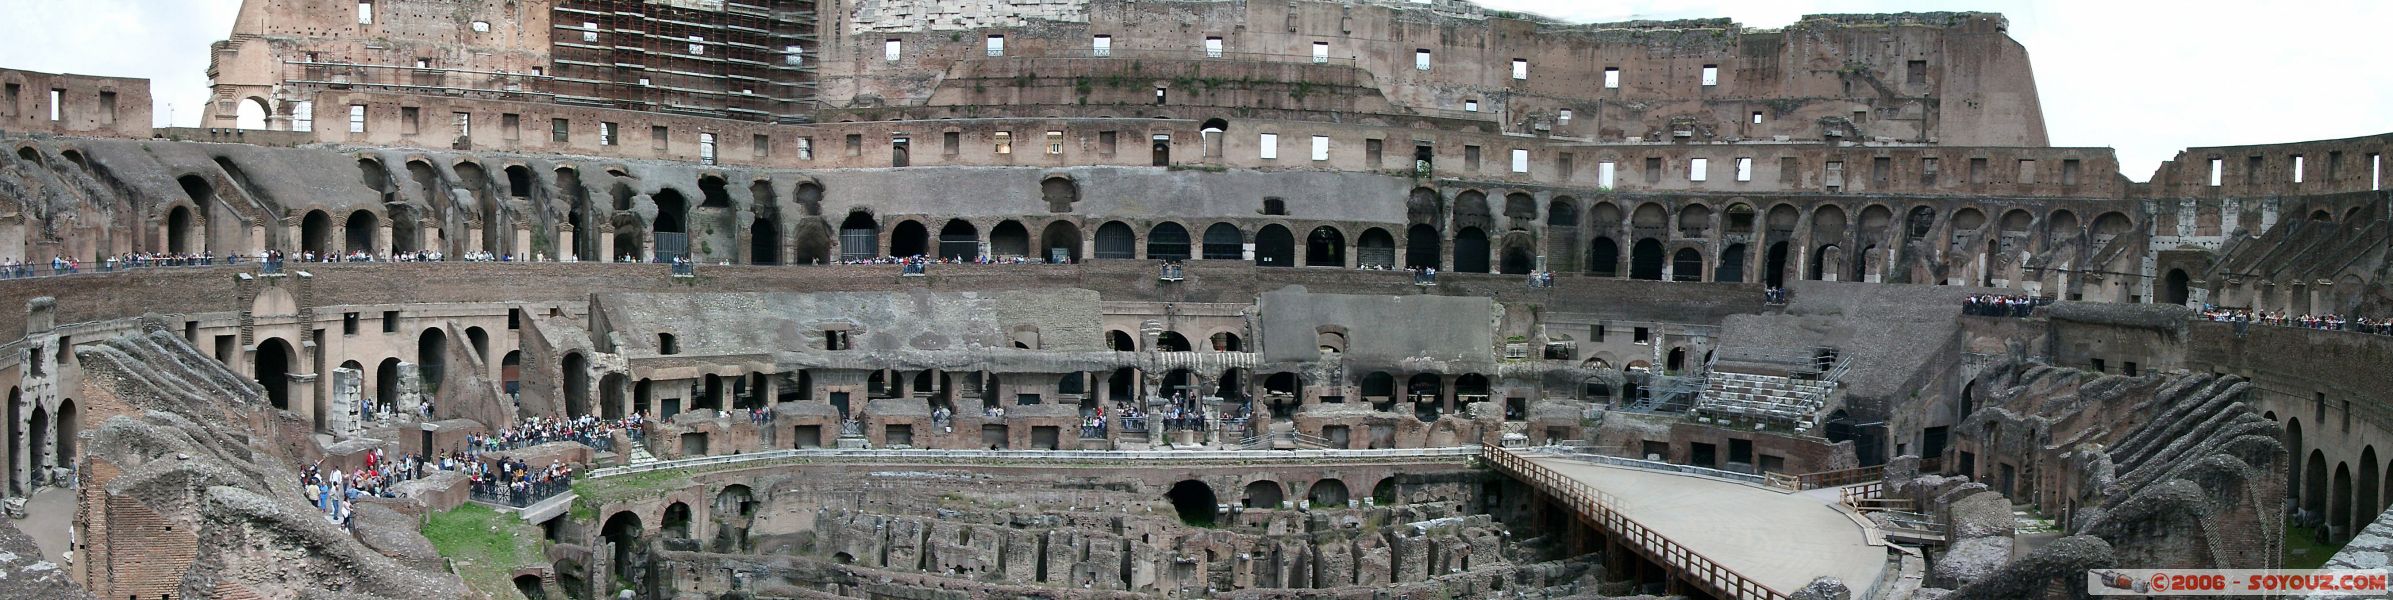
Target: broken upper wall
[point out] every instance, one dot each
(879, 323)
(1377, 330)
(279, 48)
(2292, 169)
(66, 104)
(1953, 78)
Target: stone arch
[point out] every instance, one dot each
(1223, 241)
(909, 238)
(1327, 493)
(70, 424)
(1263, 494)
(1686, 265)
(1875, 218)
(315, 233)
(252, 113)
(1649, 216)
(2314, 484)
(2110, 225)
(1384, 493)
(1782, 219)
(1167, 241)
(1695, 221)
(1060, 239)
(676, 521)
(859, 236)
(2339, 503)
(15, 438)
(430, 355)
(809, 197)
(1275, 246)
(1517, 257)
(1378, 386)
(2367, 504)
(622, 531)
(179, 230)
(1059, 192)
(1603, 257)
(272, 365)
(1827, 263)
(1470, 210)
(1375, 249)
(1732, 265)
(2174, 287)
(1009, 239)
(359, 229)
(1828, 223)
(1520, 207)
(576, 375)
(958, 239)
(1193, 501)
(764, 239)
(1421, 247)
(1470, 250)
(1424, 207)
(1325, 246)
(1562, 211)
(519, 181)
(1172, 341)
(1115, 240)
(1645, 260)
(1224, 341)
(1604, 216)
(2061, 225)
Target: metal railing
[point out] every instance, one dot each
(1649, 465)
(494, 492)
(1827, 479)
(1599, 509)
(685, 269)
(1049, 455)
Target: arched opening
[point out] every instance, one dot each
(1224, 242)
(315, 233)
(2339, 513)
(1422, 247)
(676, 522)
(1120, 341)
(1282, 393)
(1194, 501)
(274, 362)
(1275, 247)
(2173, 287)
(1325, 247)
(519, 181)
(2366, 505)
(405, 227)
(2314, 484)
(1116, 241)
(1384, 494)
(1826, 263)
(178, 230)
(1732, 265)
(1172, 341)
(69, 426)
(1264, 494)
(360, 229)
(622, 531)
(1327, 493)
(1645, 260)
(1060, 242)
(1379, 387)
(16, 437)
(480, 340)
(1686, 265)
(1167, 241)
(39, 426)
(764, 241)
(610, 395)
(1517, 258)
(959, 240)
(1009, 239)
(577, 383)
(859, 237)
(386, 383)
(1225, 342)
(1470, 388)
(431, 352)
(1470, 250)
(529, 586)
(1376, 249)
(1603, 257)
(909, 238)
(251, 113)
(1774, 265)
(1675, 361)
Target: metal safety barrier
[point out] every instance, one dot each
(1045, 455)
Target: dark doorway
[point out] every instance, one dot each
(1194, 501)
(273, 369)
(1275, 247)
(1470, 251)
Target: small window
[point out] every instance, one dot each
(606, 134)
(464, 123)
(365, 12)
(1055, 142)
(1275, 207)
(357, 118)
(659, 137)
(855, 144)
(1711, 75)
(1861, 116)
(1611, 78)
(665, 344)
(1421, 59)
(1520, 160)
(1320, 147)
(511, 124)
(1699, 168)
(1268, 146)
(348, 323)
(1320, 53)
(1744, 169)
(697, 45)
(1212, 47)
(2297, 168)
(996, 45)
(1915, 72)
(1004, 141)
(2376, 171)
(390, 321)
(2069, 171)
(1160, 95)
(409, 120)
(1603, 174)
(1562, 165)
(1470, 158)
(481, 27)
(706, 148)
(1470, 106)
(1562, 118)
(1106, 142)
(1653, 169)
(1757, 117)
(793, 55)
(589, 31)
(892, 50)
(58, 105)
(1520, 69)
(1595, 333)
(761, 145)
(539, 72)
(951, 143)
(423, 63)
(560, 130)
(1642, 336)
(1101, 46)
(1788, 169)
(805, 148)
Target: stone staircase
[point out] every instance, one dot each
(639, 453)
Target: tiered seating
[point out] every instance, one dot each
(1758, 398)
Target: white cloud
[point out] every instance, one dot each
(2148, 78)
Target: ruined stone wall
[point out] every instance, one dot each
(84, 105)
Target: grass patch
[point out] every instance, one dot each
(2302, 550)
(485, 545)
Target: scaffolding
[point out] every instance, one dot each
(734, 59)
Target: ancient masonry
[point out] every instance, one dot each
(1199, 298)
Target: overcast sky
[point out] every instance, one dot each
(2146, 77)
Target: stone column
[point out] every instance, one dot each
(347, 401)
(411, 390)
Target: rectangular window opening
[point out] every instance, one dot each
(1320, 53)
(1757, 117)
(606, 134)
(2297, 168)
(2218, 170)
(1562, 165)
(1603, 174)
(560, 130)
(1520, 160)
(1698, 169)
(805, 148)
(1212, 47)
(1421, 59)
(1653, 169)
(1055, 142)
(1788, 169)
(1520, 69)
(892, 50)
(1470, 158)
(365, 12)
(589, 31)
(2027, 171)
(1320, 147)
(2376, 171)
(1611, 78)
(761, 145)
(1268, 146)
(2070, 169)
(706, 148)
(357, 118)
(1711, 75)
(57, 105)
(1744, 169)
(511, 125)
(1004, 141)
(1101, 46)
(1915, 72)
(1562, 117)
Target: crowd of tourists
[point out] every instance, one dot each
(2328, 322)
(1997, 305)
(533, 431)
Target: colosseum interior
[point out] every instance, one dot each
(913, 299)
